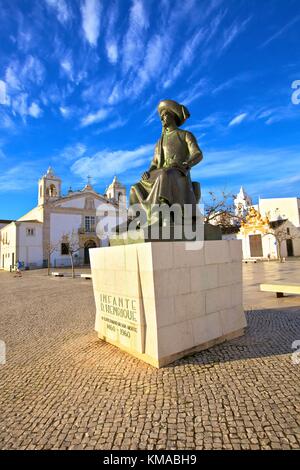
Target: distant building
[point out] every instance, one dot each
(262, 221)
(56, 218)
(242, 203)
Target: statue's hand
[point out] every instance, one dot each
(186, 166)
(146, 175)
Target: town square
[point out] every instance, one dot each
(149, 229)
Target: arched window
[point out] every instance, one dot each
(51, 191)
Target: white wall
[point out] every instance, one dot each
(31, 246)
(34, 214)
(60, 225)
(9, 235)
(269, 246)
(77, 203)
(285, 208)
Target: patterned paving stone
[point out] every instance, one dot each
(62, 388)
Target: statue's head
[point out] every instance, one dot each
(170, 111)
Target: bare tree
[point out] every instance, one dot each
(282, 230)
(73, 246)
(50, 248)
(220, 210)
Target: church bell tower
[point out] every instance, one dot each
(116, 192)
(49, 187)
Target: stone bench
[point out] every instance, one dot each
(56, 274)
(86, 276)
(281, 289)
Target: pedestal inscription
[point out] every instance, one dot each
(119, 320)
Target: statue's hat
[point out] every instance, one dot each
(180, 111)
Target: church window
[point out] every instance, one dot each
(89, 223)
(41, 191)
(30, 232)
(65, 248)
(51, 191)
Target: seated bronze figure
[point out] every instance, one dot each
(168, 179)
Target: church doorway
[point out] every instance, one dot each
(89, 244)
(256, 249)
(290, 247)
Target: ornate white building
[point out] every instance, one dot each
(269, 217)
(48, 229)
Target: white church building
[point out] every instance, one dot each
(47, 231)
(270, 215)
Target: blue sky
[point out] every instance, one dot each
(80, 81)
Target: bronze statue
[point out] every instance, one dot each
(168, 178)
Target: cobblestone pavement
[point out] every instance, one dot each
(62, 388)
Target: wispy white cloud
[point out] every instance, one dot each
(34, 110)
(238, 119)
(112, 51)
(240, 78)
(62, 9)
(66, 64)
(116, 124)
(194, 92)
(281, 31)
(187, 55)
(111, 41)
(21, 106)
(232, 32)
(232, 162)
(4, 97)
(19, 75)
(11, 76)
(91, 16)
(19, 177)
(106, 164)
(66, 111)
(72, 152)
(92, 118)
(134, 40)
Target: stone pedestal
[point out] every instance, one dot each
(161, 301)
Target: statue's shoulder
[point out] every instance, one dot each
(187, 135)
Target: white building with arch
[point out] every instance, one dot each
(46, 230)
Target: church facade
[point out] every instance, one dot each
(60, 223)
(271, 222)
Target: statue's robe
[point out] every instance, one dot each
(169, 181)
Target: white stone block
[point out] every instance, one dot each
(236, 272)
(204, 278)
(183, 257)
(225, 274)
(232, 319)
(207, 328)
(170, 282)
(144, 251)
(131, 258)
(175, 338)
(219, 298)
(216, 252)
(188, 306)
(165, 311)
(115, 259)
(169, 306)
(162, 256)
(236, 294)
(236, 253)
(146, 283)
